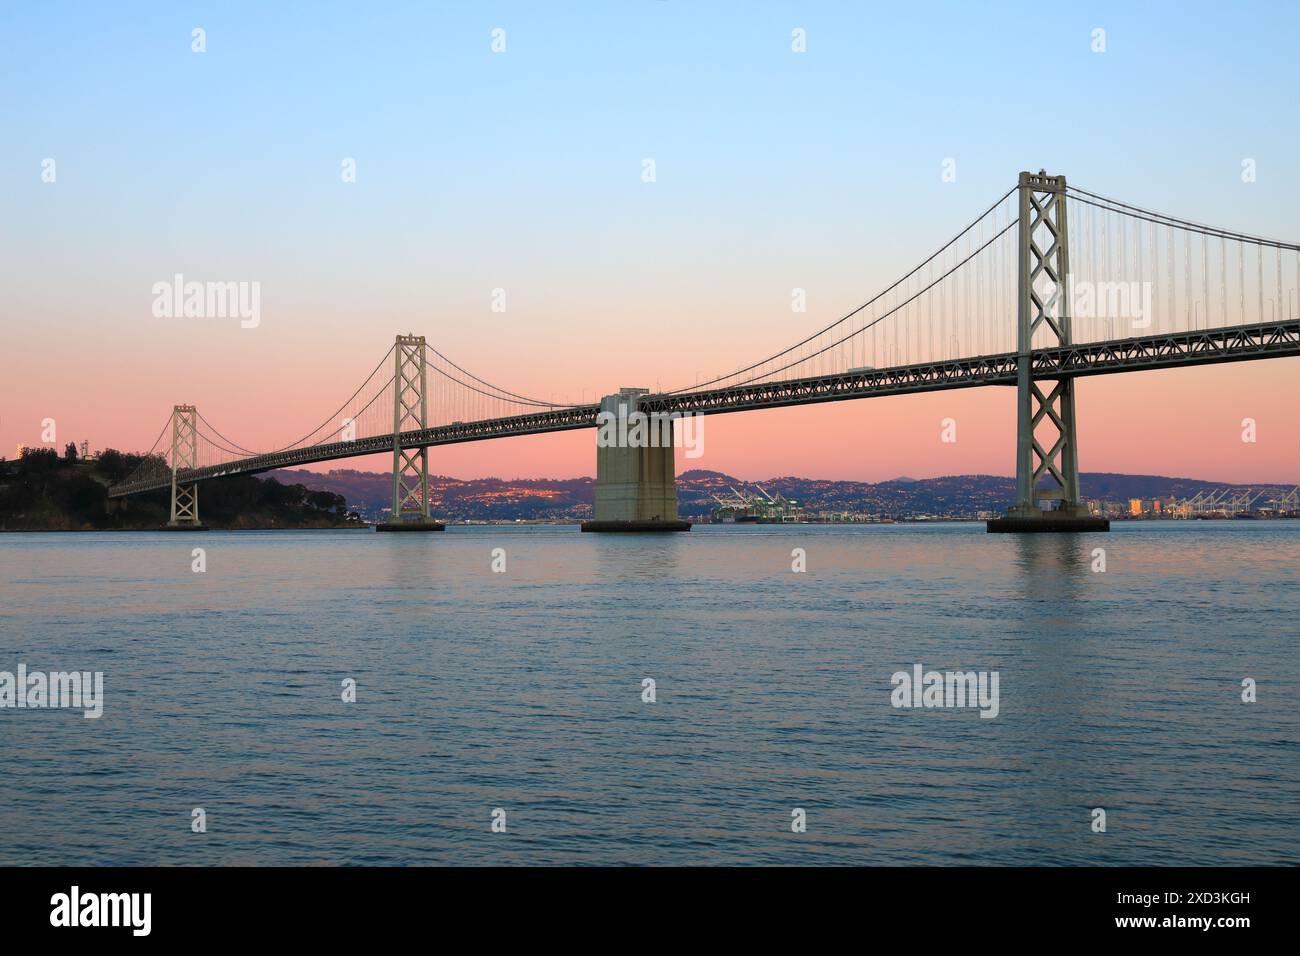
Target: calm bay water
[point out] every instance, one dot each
(522, 690)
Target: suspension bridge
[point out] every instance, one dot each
(1022, 296)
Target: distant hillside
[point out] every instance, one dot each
(947, 496)
(571, 498)
(480, 499)
(43, 491)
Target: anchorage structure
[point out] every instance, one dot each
(185, 454)
(1043, 310)
(410, 413)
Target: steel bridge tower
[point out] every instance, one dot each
(185, 454)
(410, 413)
(1043, 310)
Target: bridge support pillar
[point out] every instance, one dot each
(636, 481)
(410, 468)
(1043, 310)
(185, 453)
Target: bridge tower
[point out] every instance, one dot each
(185, 454)
(410, 413)
(1043, 310)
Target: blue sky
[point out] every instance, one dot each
(836, 140)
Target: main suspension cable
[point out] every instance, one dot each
(845, 318)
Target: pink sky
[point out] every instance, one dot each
(116, 389)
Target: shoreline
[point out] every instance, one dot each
(576, 523)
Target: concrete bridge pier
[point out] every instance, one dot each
(636, 482)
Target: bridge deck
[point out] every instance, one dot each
(1168, 350)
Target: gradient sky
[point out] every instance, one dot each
(522, 171)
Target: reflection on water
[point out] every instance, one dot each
(522, 690)
(1052, 571)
